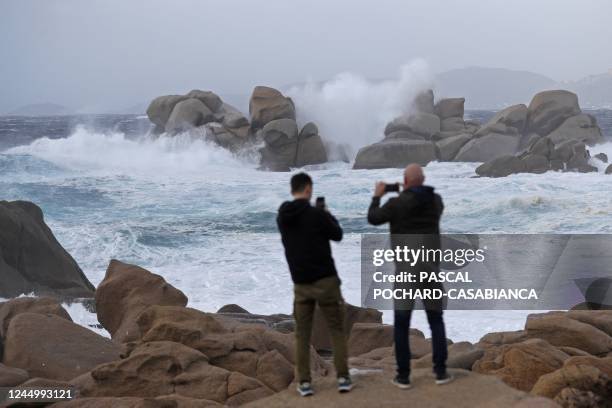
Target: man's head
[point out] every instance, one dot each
(413, 176)
(301, 186)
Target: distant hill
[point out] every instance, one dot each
(490, 88)
(594, 91)
(41, 109)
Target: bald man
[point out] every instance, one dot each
(414, 221)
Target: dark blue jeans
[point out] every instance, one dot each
(402, 344)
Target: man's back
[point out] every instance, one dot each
(305, 232)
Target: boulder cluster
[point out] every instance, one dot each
(272, 124)
(551, 134)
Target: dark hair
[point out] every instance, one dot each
(299, 182)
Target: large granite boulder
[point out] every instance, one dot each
(188, 114)
(424, 102)
(450, 108)
(52, 347)
(582, 128)
(501, 166)
(42, 305)
(11, 376)
(310, 148)
(160, 368)
(160, 108)
(449, 147)
(462, 355)
(125, 292)
(268, 104)
(212, 101)
(31, 258)
(422, 126)
(487, 147)
(395, 154)
(549, 109)
(514, 117)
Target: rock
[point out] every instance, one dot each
(231, 139)
(560, 330)
(268, 104)
(609, 169)
(521, 364)
(448, 148)
(231, 117)
(188, 114)
(500, 338)
(543, 147)
(488, 147)
(424, 102)
(564, 151)
(274, 370)
(601, 319)
(536, 163)
(375, 390)
(212, 101)
(31, 259)
(460, 355)
(549, 109)
(125, 292)
(425, 125)
(232, 308)
(514, 116)
(160, 108)
(281, 142)
(452, 125)
(162, 368)
(403, 135)
(166, 401)
(450, 107)
(241, 347)
(52, 347)
(310, 148)
(581, 382)
(42, 305)
(395, 154)
(579, 160)
(365, 337)
(353, 314)
(601, 157)
(582, 128)
(11, 376)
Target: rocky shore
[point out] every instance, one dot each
(551, 133)
(162, 353)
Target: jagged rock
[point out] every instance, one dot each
(159, 368)
(549, 109)
(487, 147)
(424, 102)
(581, 382)
(448, 148)
(395, 153)
(160, 108)
(42, 305)
(208, 98)
(52, 347)
(582, 128)
(425, 125)
(11, 376)
(125, 292)
(188, 114)
(310, 148)
(560, 330)
(601, 156)
(452, 125)
(450, 107)
(268, 104)
(31, 259)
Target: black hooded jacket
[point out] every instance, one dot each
(416, 210)
(305, 232)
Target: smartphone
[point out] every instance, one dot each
(395, 187)
(320, 203)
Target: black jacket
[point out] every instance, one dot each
(416, 210)
(305, 232)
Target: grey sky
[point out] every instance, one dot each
(104, 53)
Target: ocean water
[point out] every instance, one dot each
(205, 219)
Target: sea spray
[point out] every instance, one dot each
(352, 111)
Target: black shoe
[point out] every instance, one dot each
(344, 384)
(401, 382)
(444, 378)
(305, 389)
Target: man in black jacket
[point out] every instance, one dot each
(414, 218)
(306, 232)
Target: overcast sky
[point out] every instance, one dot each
(103, 53)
